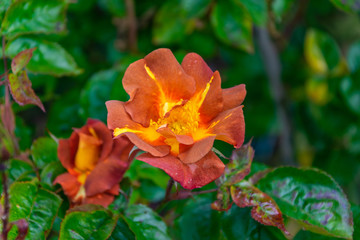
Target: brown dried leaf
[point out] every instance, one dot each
(20, 87)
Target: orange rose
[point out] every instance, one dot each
(175, 113)
(95, 163)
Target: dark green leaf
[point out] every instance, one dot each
(312, 198)
(347, 5)
(49, 57)
(353, 57)
(265, 209)
(232, 25)
(194, 8)
(350, 89)
(356, 215)
(36, 205)
(21, 60)
(20, 171)
(237, 224)
(257, 10)
(281, 7)
(3, 7)
(34, 16)
(122, 231)
(171, 25)
(198, 221)
(96, 93)
(145, 224)
(21, 90)
(50, 172)
(87, 222)
(44, 151)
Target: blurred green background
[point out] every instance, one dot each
(300, 61)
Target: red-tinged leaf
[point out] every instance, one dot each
(223, 200)
(240, 164)
(265, 209)
(21, 90)
(21, 60)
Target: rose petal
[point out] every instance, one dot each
(197, 151)
(104, 134)
(172, 79)
(229, 126)
(69, 184)
(103, 199)
(104, 176)
(158, 151)
(190, 176)
(195, 66)
(143, 92)
(67, 150)
(234, 96)
(213, 102)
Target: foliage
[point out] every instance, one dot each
(299, 60)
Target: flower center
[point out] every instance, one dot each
(182, 120)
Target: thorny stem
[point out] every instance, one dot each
(168, 190)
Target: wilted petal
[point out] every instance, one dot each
(103, 199)
(67, 150)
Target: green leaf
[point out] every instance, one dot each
(356, 215)
(50, 172)
(198, 221)
(36, 205)
(194, 8)
(233, 25)
(122, 231)
(21, 90)
(257, 10)
(311, 197)
(321, 52)
(347, 5)
(34, 16)
(87, 222)
(44, 151)
(240, 164)
(350, 90)
(281, 7)
(49, 57)
(265, 210)
(96, 93)
(5, 4)
(170, 24)
(21, 60)
(237, 224)
(19, 170)
(145, 224)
